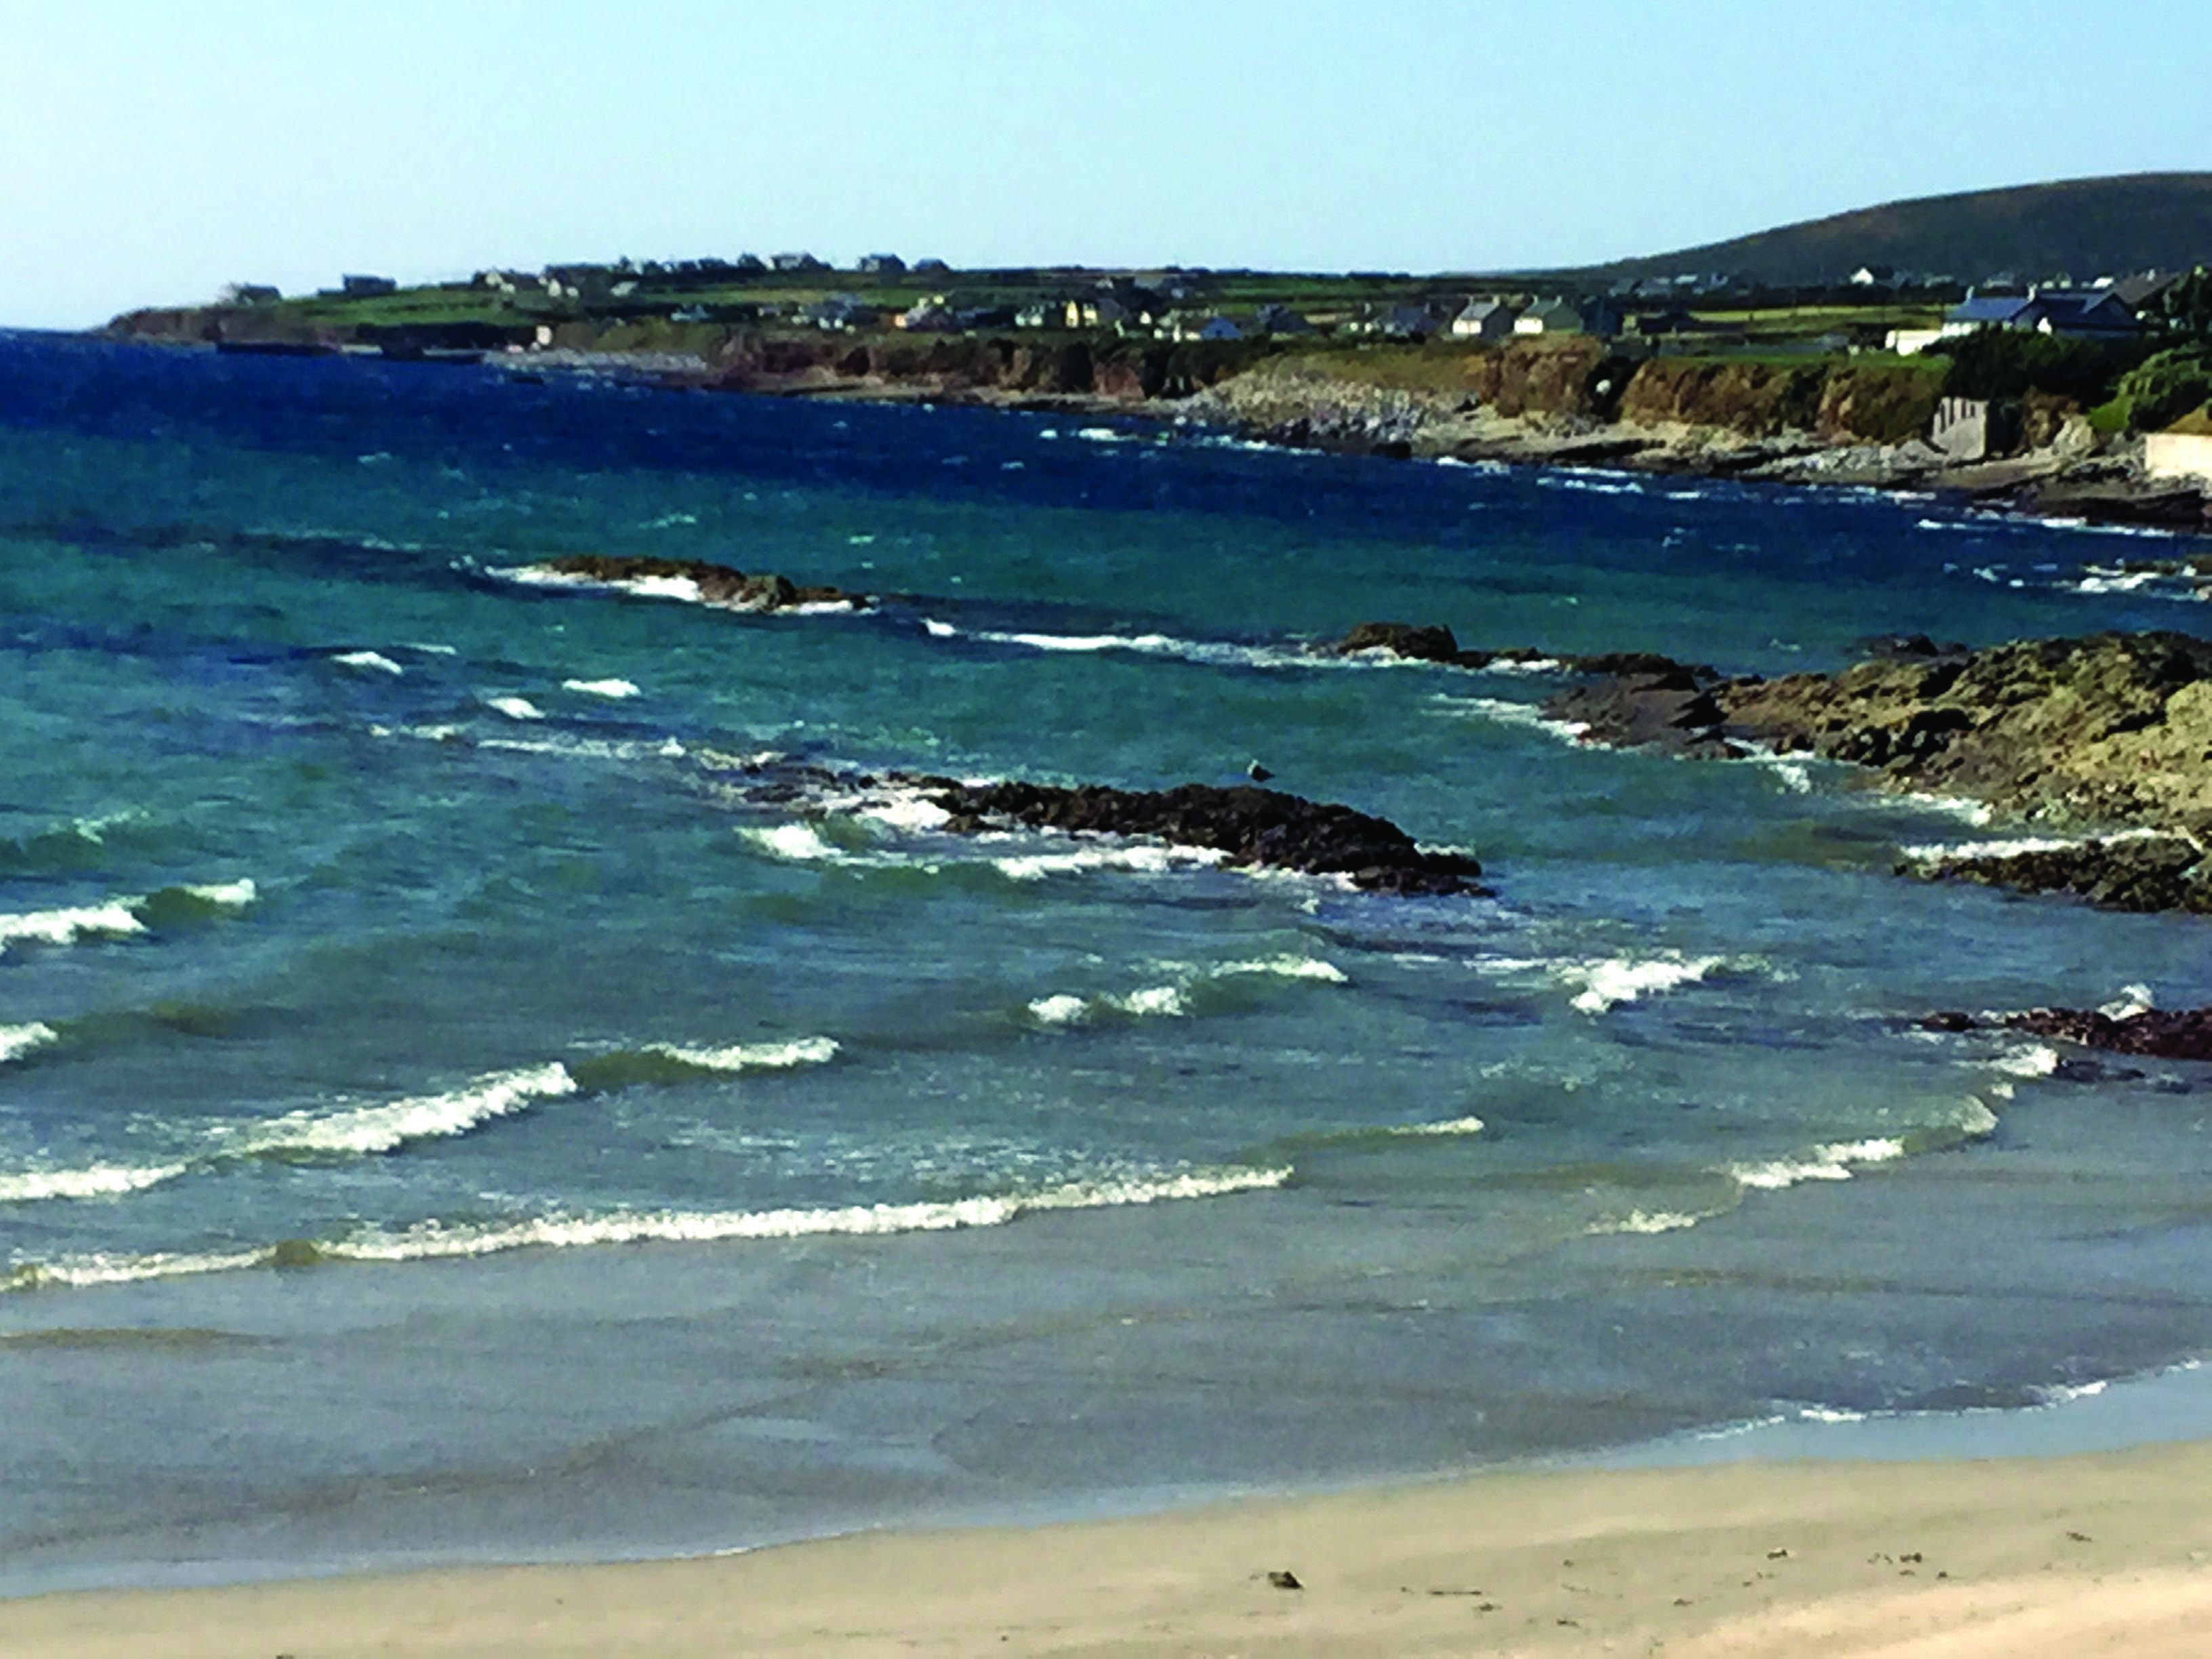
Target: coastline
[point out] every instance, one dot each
(2024, 1553)
(2073, 478)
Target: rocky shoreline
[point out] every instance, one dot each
(1576, 402)
(2106, 738)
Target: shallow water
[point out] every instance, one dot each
(485, 1074)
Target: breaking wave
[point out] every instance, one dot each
(94, 1180)
(1840, 1160)
(373, 661)
(671, 1062)
(16, 1040)
(1601, 983)
(434, 1240)
(1187, 991)
(120, 918)
(371, 1129)
(1499, 711)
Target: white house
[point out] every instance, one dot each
(1549, 317)
(1485, 319)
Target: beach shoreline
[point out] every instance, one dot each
(2082, 1554)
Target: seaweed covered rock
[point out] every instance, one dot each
(1255, 828)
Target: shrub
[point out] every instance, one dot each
(2164, 388)
(2011, 363)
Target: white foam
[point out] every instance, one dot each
(375, 661)
(677, 1226)
(2064, 1393)
(113, 919)
(16, 1040)
(800, 843)
(2124, 581)
(1453, 1126)
(237, 895)
(95, 1180)
(2133, 1000)
(602, 688)
(1153, 1000)
(1498, 710)
(1062, 1010)
(1829, 1414)
(1835, 1162)
(81, 1271)
(370, 1129)
(682, 588)
(516, 708)
(1143, 859)
(1791, 771)
(910, 811)
(1284, 967)
(1932, 852)
(2035, 1060)
(433, 1240)
(1645, 1221)
(1613, 980)
(754, 1057)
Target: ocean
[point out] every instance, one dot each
(495, 1068)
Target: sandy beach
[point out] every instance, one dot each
(2073, 1556)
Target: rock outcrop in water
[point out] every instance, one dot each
(2110, 731)
(1434, 642)
(1256, 828)
(2162, 1034)
(718, 584)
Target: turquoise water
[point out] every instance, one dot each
(489, 1069)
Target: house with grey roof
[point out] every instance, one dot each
(1485, 319)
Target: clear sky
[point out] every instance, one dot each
(151, 150)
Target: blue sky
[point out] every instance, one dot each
(152, 149)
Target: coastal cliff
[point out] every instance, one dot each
(1570, 400)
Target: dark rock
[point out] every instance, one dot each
(1949, 1019)
(1260, 828)
(1899, 648)
(2180, 1034)
(1423, 644)
(718, 584)
(1644, 664)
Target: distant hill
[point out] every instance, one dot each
(2084, 227)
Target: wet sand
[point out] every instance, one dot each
(2080, 1556)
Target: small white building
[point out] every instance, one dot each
(1549, 316)
(1911, 342)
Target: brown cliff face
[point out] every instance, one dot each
(1530, 377)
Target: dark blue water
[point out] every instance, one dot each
(489, 1069)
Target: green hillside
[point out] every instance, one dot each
(2082, 228)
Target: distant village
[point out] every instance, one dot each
(927, 297)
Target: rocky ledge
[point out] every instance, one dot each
(718, 584)
(1256, 828)
(2110, 732)
(2152, 1033)
(2123, 873)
